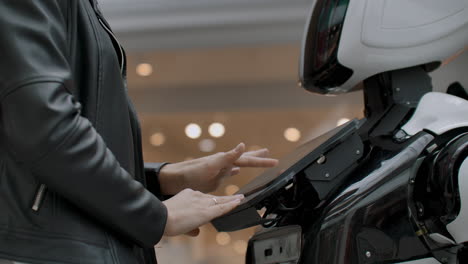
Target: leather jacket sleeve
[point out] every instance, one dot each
(45, 133)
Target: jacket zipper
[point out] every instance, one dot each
(39, 197)
(116, 41)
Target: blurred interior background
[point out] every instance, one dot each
(207, 74)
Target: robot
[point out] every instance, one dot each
(392, 187)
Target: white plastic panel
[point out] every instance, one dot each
(367, 48)
(438, 113)
(400, 14)
(443, 240)
(403, 23)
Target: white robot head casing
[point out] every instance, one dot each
(383, 35)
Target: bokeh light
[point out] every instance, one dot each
(144, 69)
(292, 134)
(223, 238)
(157, 139)
(207, 145)
(216, 130)
(193, 131)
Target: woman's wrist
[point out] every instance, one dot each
(171, 179)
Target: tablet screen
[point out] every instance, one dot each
(287, 163)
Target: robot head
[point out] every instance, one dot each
(347, 41)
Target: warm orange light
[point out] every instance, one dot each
(223, 238)
(454, 56)
(157, 139)
(292, 134)
(144, 69)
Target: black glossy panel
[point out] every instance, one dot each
(369, 222)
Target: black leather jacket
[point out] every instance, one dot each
(72, 178)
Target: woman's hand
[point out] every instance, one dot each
(190, 209)
(206, 174)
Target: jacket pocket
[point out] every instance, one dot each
(39, 197)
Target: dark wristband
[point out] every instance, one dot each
(152, 177)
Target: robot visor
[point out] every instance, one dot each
(320, 70)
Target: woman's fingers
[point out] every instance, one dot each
(215, 200)
(232, 155)
(224, 208)
(248, 161)
(225, 172)
(262, 153)
(190, 209)
(256, 158)
(235, 171)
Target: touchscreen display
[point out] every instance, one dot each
(289, 163)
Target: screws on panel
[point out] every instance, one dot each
(321, 159)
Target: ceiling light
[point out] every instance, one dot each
(223, 238)
(207, 145)
(292, 134)
(231, 189)
(157, 139)
(144, 69)
(193, 131)
(216, 130)
(342, 121)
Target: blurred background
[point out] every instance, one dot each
(207, 74)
